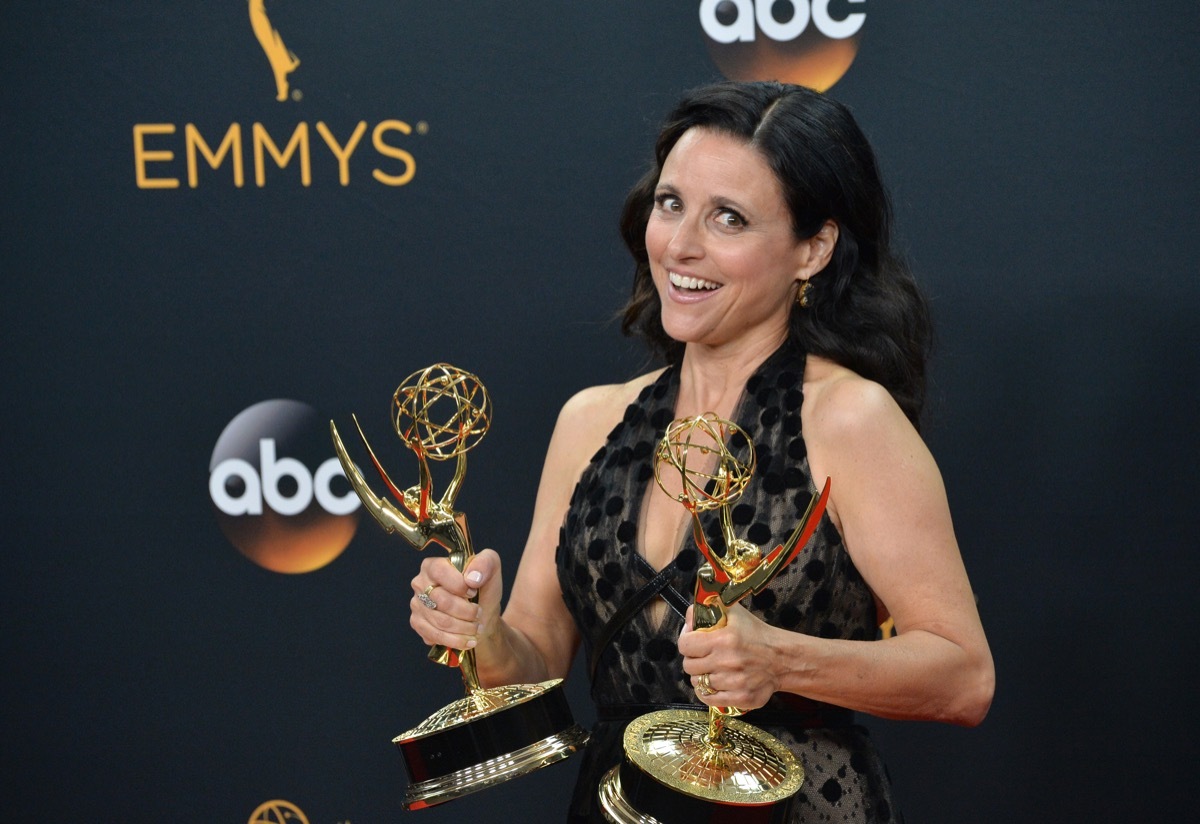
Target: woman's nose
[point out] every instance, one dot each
(686, 243)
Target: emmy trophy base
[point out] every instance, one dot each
(671, 774)
(487, 738)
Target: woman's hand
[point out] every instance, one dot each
(443, 609)
(738, 660)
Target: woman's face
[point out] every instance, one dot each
(723, 256)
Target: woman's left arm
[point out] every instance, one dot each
(888, 501)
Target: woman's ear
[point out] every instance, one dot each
(818, 250)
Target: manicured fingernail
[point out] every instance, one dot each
(479, 629)
(470, 643)
(474, 577)
(471, 593)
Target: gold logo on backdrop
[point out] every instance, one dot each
(278, 812)
(171, 155)
(283, 60)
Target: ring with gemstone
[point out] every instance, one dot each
(424, 598)
(704, 686)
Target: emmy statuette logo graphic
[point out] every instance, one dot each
(283, 61)
(165, 155)
(794, 41)
(278, 811)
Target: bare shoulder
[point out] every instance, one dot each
(590, 414)
(597, 409)
(843, 407)
(857, 434)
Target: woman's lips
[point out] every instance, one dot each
(691, 283)
(689, 289)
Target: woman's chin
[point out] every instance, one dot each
(684, 332)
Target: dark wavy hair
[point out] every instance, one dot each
(865, 311)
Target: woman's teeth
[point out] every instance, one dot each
(681, 282)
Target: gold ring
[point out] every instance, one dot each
(704, 686)
(424, 598)
(429, 589)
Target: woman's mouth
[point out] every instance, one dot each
(690, 283)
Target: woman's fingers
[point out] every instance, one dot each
(442, 611)
(438, 599)
(726, 666)
(483, 579)
(439, 626)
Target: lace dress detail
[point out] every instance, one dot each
(634, 662)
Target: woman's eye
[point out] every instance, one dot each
(668, 203)
(730, 219)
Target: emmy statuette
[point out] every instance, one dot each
(690, 766)
(491, 734)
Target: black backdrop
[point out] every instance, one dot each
(1043, 161)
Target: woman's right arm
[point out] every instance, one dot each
(535, 638)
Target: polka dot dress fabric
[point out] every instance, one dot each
(820, 593)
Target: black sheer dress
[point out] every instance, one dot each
(634, 664)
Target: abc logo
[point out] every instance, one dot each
(795, 41)
(280, 496)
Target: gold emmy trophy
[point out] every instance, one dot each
(688, 765)
(492, 734)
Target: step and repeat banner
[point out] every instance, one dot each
(225, 223)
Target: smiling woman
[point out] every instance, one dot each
(866, 310)
(724, 259)
(765, 277)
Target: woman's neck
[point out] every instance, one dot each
(711, 378)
